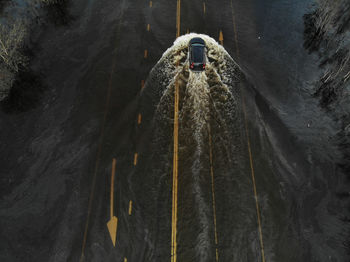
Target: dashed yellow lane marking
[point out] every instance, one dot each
(135, 159)
(130, 207)
(204, 7)
(213, 192)
(249, 147)
(221, 38)
(148, 27)
(125, 259)
(139, 118)
(150, 3)
(187, 31)
(145, 54)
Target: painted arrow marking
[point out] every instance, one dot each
(112, 224)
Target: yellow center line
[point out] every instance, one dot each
(213, 192)
(150, 4)
(175, 153)
(145, 53)
(178, 15)
(148, 27)
(249, 146)
(204, 7)
(175, 174)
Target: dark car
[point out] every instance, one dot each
(197, 54)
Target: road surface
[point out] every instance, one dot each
(269, 197)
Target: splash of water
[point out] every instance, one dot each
(204, 96)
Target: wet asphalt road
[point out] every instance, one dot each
(56, 164)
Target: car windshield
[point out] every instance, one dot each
(197, 53)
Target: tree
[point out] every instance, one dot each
(12, 38)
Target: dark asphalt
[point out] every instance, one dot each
(56, 154)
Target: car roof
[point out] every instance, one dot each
(197, 53)
(197, 40)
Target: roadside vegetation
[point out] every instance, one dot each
(17, 20)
